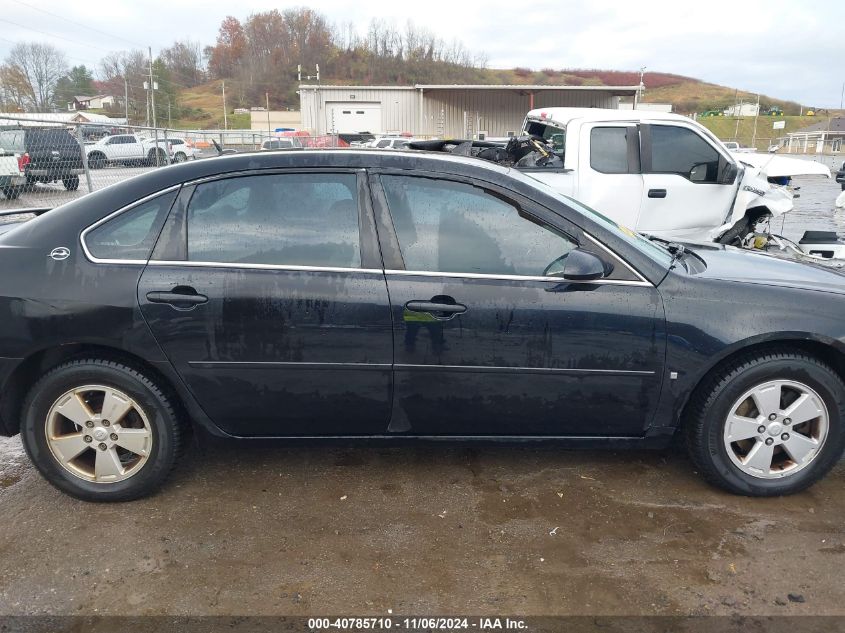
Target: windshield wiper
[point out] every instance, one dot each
(677, 251)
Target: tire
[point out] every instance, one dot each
(713, 442)
(180, 157)
(72, 183)
(151, 158)
(11, 193)
(97, 160)
(151, 423)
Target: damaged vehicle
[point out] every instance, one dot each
(662, 174)
(395, 295)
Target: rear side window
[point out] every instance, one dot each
(277, 219)
(609, 150)
(453, 227)
(12, 141)
(677, 150)
(132, 234)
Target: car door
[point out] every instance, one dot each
(682, 191)
(267, 294)
(487, 341)
(609, 178)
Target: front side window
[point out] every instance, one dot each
(131, 235)
(277, 219)
(609, 150)
(678, 150)
(453, 227)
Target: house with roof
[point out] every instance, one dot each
(97, 102)
(825, 137)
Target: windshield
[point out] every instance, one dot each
(622, 232)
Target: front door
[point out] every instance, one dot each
(487, 341)
(267, 294)
(682, 194)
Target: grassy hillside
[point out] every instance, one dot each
(686, 94)
(726, 128)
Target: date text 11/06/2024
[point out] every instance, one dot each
(417, 624)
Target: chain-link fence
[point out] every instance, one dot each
(46, 160)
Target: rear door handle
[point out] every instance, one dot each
(437, 309)
(656, 193)
(181, 297)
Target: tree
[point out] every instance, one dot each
(41, 66)
(79, 81)
(184, 61)
(131, 67)
(15, 91)
(230, 49)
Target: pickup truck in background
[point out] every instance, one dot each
(131, 150)
(12, 176)
(48, 154)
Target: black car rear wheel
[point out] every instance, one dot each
(96, 160)
(101, 431)
(72, 183)
(768, 424)
(11, 193)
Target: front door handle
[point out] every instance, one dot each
(656, 193)
(438, 309)
(181, 297)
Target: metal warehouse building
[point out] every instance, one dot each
(459, 111)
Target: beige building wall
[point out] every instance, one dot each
(278, 118)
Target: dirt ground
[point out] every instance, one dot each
(420, 530)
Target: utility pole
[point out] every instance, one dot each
(754, 133)
(640, 88)
(225, 118)
(152, 87)
(126, 99)
(169, 122)
(267, 101)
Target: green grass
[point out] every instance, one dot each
(726, 128)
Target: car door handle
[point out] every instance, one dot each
(656, 193)
(437, 309)
(181, 297)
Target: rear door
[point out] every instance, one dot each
(267, 294)
(609, 178)
(681, 188)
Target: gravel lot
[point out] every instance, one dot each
(243, 529)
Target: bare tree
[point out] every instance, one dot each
(185, 61)
(41, 65)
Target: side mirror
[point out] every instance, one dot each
(728, 173)
(581, 265)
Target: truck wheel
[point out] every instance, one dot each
(767, 424)
(101, 431)
(97, 160)
(180, 157)
(11, 193)
(72, 183)
(156, 159)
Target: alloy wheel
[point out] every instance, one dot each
(98, 433)
(776, 429)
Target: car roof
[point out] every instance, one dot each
(564, 116)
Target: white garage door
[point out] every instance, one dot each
(353, 117)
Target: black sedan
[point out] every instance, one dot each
(840, 176)
(401, 295)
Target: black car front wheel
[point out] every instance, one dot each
(768, 424)
(101, 431)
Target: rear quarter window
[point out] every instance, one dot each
(131, 235)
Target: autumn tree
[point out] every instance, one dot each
(39, 67)
(230, 49)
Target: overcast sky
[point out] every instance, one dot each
(791, 49)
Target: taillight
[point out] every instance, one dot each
(23, 161)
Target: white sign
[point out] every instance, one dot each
(778, 125)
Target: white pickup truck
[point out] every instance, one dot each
(666, 175)
(131, 149)
(662, 174)
(12, 176)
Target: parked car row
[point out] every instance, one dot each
(136, 150)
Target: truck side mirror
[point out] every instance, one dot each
(728, 173)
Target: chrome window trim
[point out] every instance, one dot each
(124, 209)
(288, 267)
(425, 273)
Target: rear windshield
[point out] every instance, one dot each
(554, 135)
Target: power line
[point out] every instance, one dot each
(85, 26)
